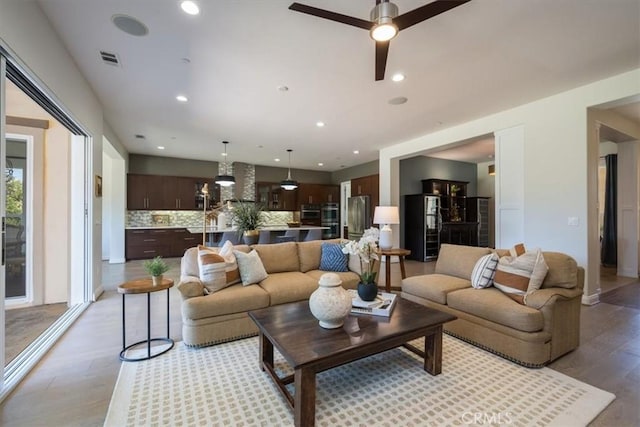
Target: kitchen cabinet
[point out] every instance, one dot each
(317, 194)
(275, 198)
(148, 243)
(158, 192)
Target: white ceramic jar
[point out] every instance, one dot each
(330, 303)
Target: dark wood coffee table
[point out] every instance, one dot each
(310, 349)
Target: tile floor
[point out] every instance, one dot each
(72, 385)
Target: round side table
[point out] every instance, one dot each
(144, 286)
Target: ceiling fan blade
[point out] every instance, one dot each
(331, 16)
(382, 50)
(425, 12)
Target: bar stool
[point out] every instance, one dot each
(265, 237)
(313, 234)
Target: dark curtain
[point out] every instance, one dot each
(609, 246)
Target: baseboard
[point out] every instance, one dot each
(591, 299)
(97, 292)
(117, 260)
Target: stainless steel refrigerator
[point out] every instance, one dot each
(422, 226)
(359, 216)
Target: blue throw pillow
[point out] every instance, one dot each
(333, 259)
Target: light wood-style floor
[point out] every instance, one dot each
(72, 386)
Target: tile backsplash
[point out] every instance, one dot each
(194, 218)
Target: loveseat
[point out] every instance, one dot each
(293, 270)
(532, 334)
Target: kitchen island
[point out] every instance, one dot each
(213, 234)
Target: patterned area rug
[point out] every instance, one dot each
(224, 386)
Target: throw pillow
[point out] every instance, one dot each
(231, 266)
(484, 271)
(519, 276)
(251, 268)
(517, 250)
(333, 259)
(211, 268)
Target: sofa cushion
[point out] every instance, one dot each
(309, 254)
(332, 258)
(251, 268)
(349, 279)
(519, 276)
(458, 260)
(563, 271)
(434, 287)
(234, 299)
(495, 306)
(189, 263)
(288, 286)
(484, 271)
(279, 257)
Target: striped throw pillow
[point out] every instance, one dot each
(519, 276)
(211, 267)
(484, 271)
(231, 265)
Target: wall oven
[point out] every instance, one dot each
(310, 214)
(330, 217)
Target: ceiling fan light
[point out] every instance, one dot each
(384, 32)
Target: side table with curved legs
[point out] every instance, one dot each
(144, 286)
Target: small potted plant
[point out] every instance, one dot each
(248, 219)
(156, 268)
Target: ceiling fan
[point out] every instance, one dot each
(385, 22)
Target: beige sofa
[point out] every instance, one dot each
(293, 269)
(534, 334)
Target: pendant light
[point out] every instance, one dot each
(225, 180)
(289, 184)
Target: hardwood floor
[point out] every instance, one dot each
(72, 385)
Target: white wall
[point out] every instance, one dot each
(557, 166)
(28, 36)
(628, 208)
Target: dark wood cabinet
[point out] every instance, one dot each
(165, 242)
(145, 192)
(275, 198)
(158, 192)
(458, 233)
(317, 194)
(453, 198)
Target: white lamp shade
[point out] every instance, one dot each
(386, 215)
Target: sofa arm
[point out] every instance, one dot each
(190, 286)
(542, 297)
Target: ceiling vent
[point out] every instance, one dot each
(138, 136)
(110, 58)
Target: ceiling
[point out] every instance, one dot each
(479, 58)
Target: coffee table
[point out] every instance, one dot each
(310, 349)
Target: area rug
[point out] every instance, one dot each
(626, 296)
(224, 386)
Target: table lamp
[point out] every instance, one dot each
(385, 215)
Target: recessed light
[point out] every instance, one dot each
(398, 101)
(398, 77)
(160, 147)
(276, 160)
(356, 152)
(320, 164)
(190, 7)
(320, 124)
(283, 88)
(182, 98)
